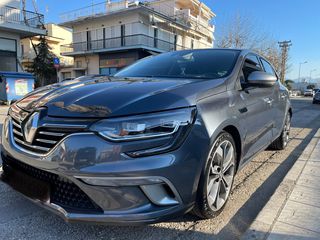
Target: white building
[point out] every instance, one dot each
(15, 24)
(114, 34)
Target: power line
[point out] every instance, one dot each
(285, 46)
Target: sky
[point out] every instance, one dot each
(295, 20)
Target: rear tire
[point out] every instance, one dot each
(217, 178)
(282, 141)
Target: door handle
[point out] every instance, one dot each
(243, 110)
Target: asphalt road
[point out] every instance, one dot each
(254, 185)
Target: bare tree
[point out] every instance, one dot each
(26, 20)
(272, 53)
(241, 32)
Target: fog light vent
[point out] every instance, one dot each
(160, 194)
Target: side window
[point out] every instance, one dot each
(251, 64)
(267, 67)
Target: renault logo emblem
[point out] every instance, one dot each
(30, 127)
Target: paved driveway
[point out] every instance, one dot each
(20, 219)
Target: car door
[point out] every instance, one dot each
(259, 113)
(280, 97)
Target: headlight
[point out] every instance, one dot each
(144, 126)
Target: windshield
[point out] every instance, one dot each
(198, 64)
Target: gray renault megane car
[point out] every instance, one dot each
(158, 139)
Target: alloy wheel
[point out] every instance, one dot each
(221, 175)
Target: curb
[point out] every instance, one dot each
(264, 222)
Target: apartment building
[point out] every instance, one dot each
(111, 35)
(15, 24)
(56, 37)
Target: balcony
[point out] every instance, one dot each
(24, 22)
(119, 43)
(196, 22)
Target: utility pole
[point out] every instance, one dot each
(285, 45)
(24, 13)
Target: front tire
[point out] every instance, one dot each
(217, 178)
(281, 142)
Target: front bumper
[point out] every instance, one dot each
(123, 199)
(81, 213)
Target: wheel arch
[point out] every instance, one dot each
(233, 131)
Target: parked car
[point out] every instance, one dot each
(163, 136)
(315, 90)
(295, 93)
(316, 97)
(308, 93)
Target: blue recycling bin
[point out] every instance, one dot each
(13, 86)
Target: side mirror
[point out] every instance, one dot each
(261, 79)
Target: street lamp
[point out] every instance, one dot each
(300, 69)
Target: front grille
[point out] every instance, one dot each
(45, 139)
(63, 192)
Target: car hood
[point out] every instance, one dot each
(117, 97)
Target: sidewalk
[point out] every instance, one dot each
(293, 212)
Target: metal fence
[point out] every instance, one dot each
(120, 42)
(18, 16)
(87, 11)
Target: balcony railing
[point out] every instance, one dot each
(138, 40)
(180, 16)
(18, 16)
(103, 8)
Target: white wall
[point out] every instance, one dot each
(89, 62)
(166, 7)
(112, 25)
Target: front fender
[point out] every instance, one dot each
(219, 112)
